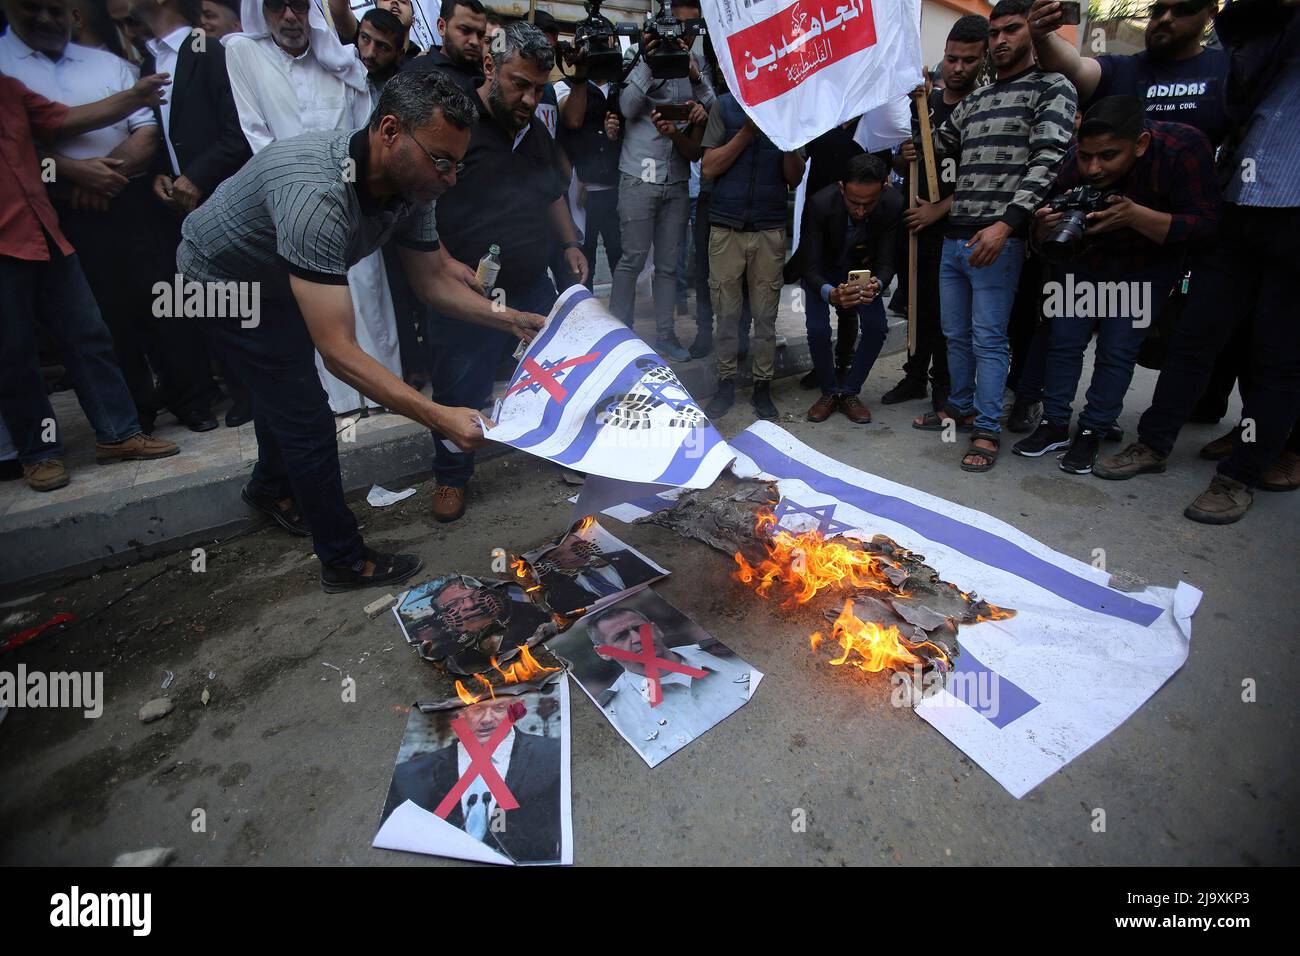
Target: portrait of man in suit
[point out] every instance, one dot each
(580, 570)
(528, 763)
(463, 621)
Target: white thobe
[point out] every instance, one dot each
(279, 97)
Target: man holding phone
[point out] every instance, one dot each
(849, 248)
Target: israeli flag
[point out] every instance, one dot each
(592, 396)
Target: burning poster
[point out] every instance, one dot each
(469, 624)
(590, 395)
(486, 781)
(659, 677)
(586, 569)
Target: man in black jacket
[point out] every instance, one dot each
(462, 24)
(849, 225)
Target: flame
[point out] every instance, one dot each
(525, 574)
(806, 563)
(876, 647)
(526, 668)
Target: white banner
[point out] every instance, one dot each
(424, 21)
(800, 68)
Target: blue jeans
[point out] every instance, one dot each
(463, 360)
(974, 307)
(1118, 341)
(56, 295)
(875, 326)
(297, 447)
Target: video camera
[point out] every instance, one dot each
(1065, 241)
(596, 39)
(669, 60)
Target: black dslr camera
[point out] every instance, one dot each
(670, 60)
(1065, 241)
(596, 38)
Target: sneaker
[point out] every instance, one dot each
(703, 343)
(1220, 448)
(1025, 414)
(1082, 452)
(822, 409)
(762, 401)
(722, 399)
(1224, 502)
(1046, 437)
(389, 569)
(854, 410)
(672, 349)
(139, 447)
(448, 503)
(1283, 474)
(1136, 459)
(46, 475)
(809, 381)
(904, 391)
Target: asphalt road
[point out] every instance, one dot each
(285, 771)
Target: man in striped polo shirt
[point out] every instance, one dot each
(283, 232)
(1010, 138)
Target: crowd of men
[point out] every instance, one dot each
(1149, 200)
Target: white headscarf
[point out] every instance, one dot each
(325, 45)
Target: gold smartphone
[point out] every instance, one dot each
(860, 277)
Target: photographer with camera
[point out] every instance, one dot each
(1133, 196)
(664, 122)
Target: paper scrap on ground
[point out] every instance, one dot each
(591, 396)
(1028, 694)
(380, 497)
(487, 782)
(466, 623)
(658, 677)
(588, 568)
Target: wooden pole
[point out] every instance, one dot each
(912, 317)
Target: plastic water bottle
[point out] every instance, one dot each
(488, 269)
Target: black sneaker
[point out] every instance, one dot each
(904, 391)
(389, 569)
(1046, 437)
(762, 401)
(722, 399)
(703, 343)
(1082, 452)
(809, 381)
(1025, 413)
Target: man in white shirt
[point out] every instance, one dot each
(690, 704)
(101, 193)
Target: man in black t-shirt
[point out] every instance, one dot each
(963, 55)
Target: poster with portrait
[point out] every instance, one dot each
(487, 781)
(659, 678)
(463, 622)
(588, 568)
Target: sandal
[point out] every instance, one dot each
(937, 421)
(290, 518)
(389, 569)
(990, 455)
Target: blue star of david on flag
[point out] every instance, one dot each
(658, 390)
(825, 515)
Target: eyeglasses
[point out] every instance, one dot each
(300, 7)
(443, 166)
(1177, 10)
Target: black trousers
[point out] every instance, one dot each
(123, 253)
(1246, 279)
(703, 297)
(411, 315)
(602, 223)
(931, 356)
(297, 446)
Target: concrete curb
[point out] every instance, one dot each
(117, 528)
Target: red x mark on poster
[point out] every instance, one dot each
(480, 765)
(545, 377)
(653, 665)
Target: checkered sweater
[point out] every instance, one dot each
(1010, 138)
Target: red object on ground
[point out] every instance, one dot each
(22, 637)
(480, 765)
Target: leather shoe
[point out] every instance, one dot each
(46, 475)
(139, 447)
(854, 410)
(239, 414)
(822, 408)
(199, 421)
(448, 503)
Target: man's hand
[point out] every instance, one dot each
(150, 90)
(162, 190)
(98, 175)
(1120, 214)
(86, 201)
(924, 215)
(907, 151)
(526, 324)
(847, 295)
(1044, 17)
(1045, 221)
(461, 425)
(577, 264)
(665, 127)
(186, 193)
(988, 243)
(613, 128)
(699, 115)
(461, 272)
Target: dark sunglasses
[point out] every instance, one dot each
(443, 166)
(300, 7)
(1178, 10)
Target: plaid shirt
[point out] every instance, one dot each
(1176, 175)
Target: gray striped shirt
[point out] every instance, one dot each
(300, 206)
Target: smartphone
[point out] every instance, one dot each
(860, 277)
(675, 112)
(1070, 11)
